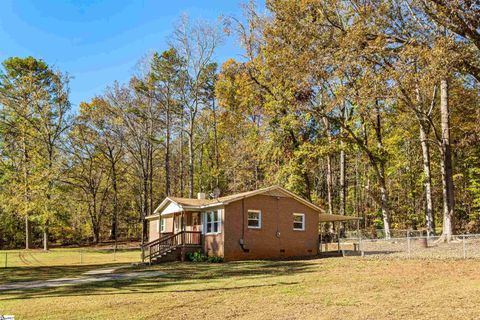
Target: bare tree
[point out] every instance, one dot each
(195, 43)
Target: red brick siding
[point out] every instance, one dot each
(277, 215)
(213, 244)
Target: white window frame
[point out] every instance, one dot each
(303, 221)
(160, 225)
(259, 219)
(218, 221)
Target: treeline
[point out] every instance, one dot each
(367, 108)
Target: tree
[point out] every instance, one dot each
(86, 174)
(101, 121)
(168, 77)
(195, 43)
(35, 110)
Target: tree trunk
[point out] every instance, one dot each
(96, 234)
(167, 153)
(384, 201)
(329, 184)
(182, 164)
(343, 191)
(215, 137)
(380, 171)
(446, 164)
(329, 170)
(429, 216)
(49, 196)
(144, 209)
(28, 233)
(45, 237)
(342, 181)
(424, 126)
(114, 226)
(26, 195)
(150, 180)
(191, 156)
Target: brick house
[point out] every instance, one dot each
(266, 223)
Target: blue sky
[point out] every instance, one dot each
(100, 41)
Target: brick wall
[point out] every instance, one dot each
(277, 216)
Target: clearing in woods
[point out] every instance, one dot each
(349, 288)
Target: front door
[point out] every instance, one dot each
(196, 226)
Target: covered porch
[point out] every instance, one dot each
(179, 231)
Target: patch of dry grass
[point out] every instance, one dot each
(66, 257)
(334, 288)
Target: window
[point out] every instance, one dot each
(161, 225)
(212, 222)
(254, 219)
(299, 221)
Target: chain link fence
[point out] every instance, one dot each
(67, 257)
(464, 246)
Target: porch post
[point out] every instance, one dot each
(183, 228)
(182, 257)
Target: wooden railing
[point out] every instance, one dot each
(159, 246)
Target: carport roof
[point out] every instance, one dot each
(322, 217)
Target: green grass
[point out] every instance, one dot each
(348, 288)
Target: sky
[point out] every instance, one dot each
(100, 41)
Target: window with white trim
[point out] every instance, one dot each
(254, 219)
(213, 220)
(299, 221)
(161, 225)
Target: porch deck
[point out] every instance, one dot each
(159, 247)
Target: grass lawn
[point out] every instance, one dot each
(66, 257)
(333, 288)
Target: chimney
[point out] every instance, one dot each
(201, 195)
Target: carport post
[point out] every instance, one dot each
(338, 235)
(359, 235)
(321, 238)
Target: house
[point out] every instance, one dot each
(261, 224)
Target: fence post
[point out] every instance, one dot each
(464, 248)
(6, 257)
(408, 243)
(114, 254)
(81, 256)
(362, 253)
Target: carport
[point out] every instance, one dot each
(336, 220)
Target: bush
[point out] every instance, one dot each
(198, 256)
(215, 259)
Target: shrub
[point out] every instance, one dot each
(215, 259)
(198, 256)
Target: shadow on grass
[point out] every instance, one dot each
(179, 278)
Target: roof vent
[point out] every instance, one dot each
(201, 195)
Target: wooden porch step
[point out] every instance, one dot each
(165, 247)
